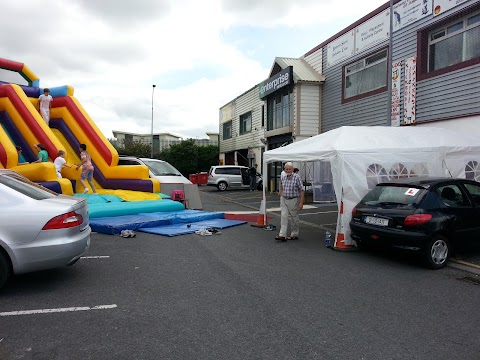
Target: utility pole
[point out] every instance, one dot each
(389, 68)
(153, 90)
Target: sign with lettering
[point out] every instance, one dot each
(410, 91)
(396, 74)
(277, 81)
(441, 6)
(227, 112)
(341, 48)
(408, 11)
(372, 32)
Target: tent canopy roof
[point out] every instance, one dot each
(374, 139)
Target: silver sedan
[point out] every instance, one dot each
(39, 229)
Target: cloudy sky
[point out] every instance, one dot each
(199, 54)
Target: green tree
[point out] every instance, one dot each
(189, 158)
(207, 156)
(184, 156)
(132, 148)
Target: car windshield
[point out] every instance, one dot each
(394, 195)
(161, 168)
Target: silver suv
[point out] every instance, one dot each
(234, 176)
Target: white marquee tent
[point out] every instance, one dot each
(361, 156)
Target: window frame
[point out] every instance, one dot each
(276, 106)
(224, 126)
(243, 121)
(358, 60)
(423, 44)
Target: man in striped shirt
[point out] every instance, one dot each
(291, 200)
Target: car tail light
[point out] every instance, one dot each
(417, 219)
(68, 220)
(354, 212)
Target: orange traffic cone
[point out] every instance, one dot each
(262, 220)
(339, 243)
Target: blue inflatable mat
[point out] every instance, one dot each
(98, 210)
(190, 228)
(115, 224)
(100, 198)
(185, 216)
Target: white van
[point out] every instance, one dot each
(158, 169)
(234, 176)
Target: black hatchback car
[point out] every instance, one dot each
(429, 215)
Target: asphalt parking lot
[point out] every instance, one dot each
(322, 216)
(239, 295)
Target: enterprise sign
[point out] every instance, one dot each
(283, 78)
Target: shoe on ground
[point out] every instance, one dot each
(85, 190)
(124, 234)
(270, 227)
(203, 232)
(280, 238)
(214, 231)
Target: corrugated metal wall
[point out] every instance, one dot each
(371, 110)
(309, 110)
(315, 61)
(454, 94)
(249, 101)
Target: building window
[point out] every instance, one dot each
(280, 109)
(365, 77)
(246, 123)
(450, 44)
(454, 43)
(227, 130)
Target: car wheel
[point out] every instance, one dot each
(222, 186)
(362, 245)
(437, 252)
(5, 268)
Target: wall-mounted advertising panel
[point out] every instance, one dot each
(277, 81)
(372, 31)
(407, 12)
(341, 48)
(410, 91)
(441, 6)
(396, 74)
(227, 112)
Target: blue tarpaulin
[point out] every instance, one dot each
(190, 228)
(115, 224)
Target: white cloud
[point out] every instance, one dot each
(112, 52)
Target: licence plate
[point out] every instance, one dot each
(376, 221)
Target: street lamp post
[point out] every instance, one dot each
(153, 90)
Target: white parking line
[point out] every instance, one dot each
(59, 310)
(95, 257)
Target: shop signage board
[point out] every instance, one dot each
(441, 6)
(407, 12)
(277, 81)
(410, 90)
(341, 48)
(227, 112)
(396, 75)
(372, 31)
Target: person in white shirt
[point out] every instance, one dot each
(60, 163)
(45, 104)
